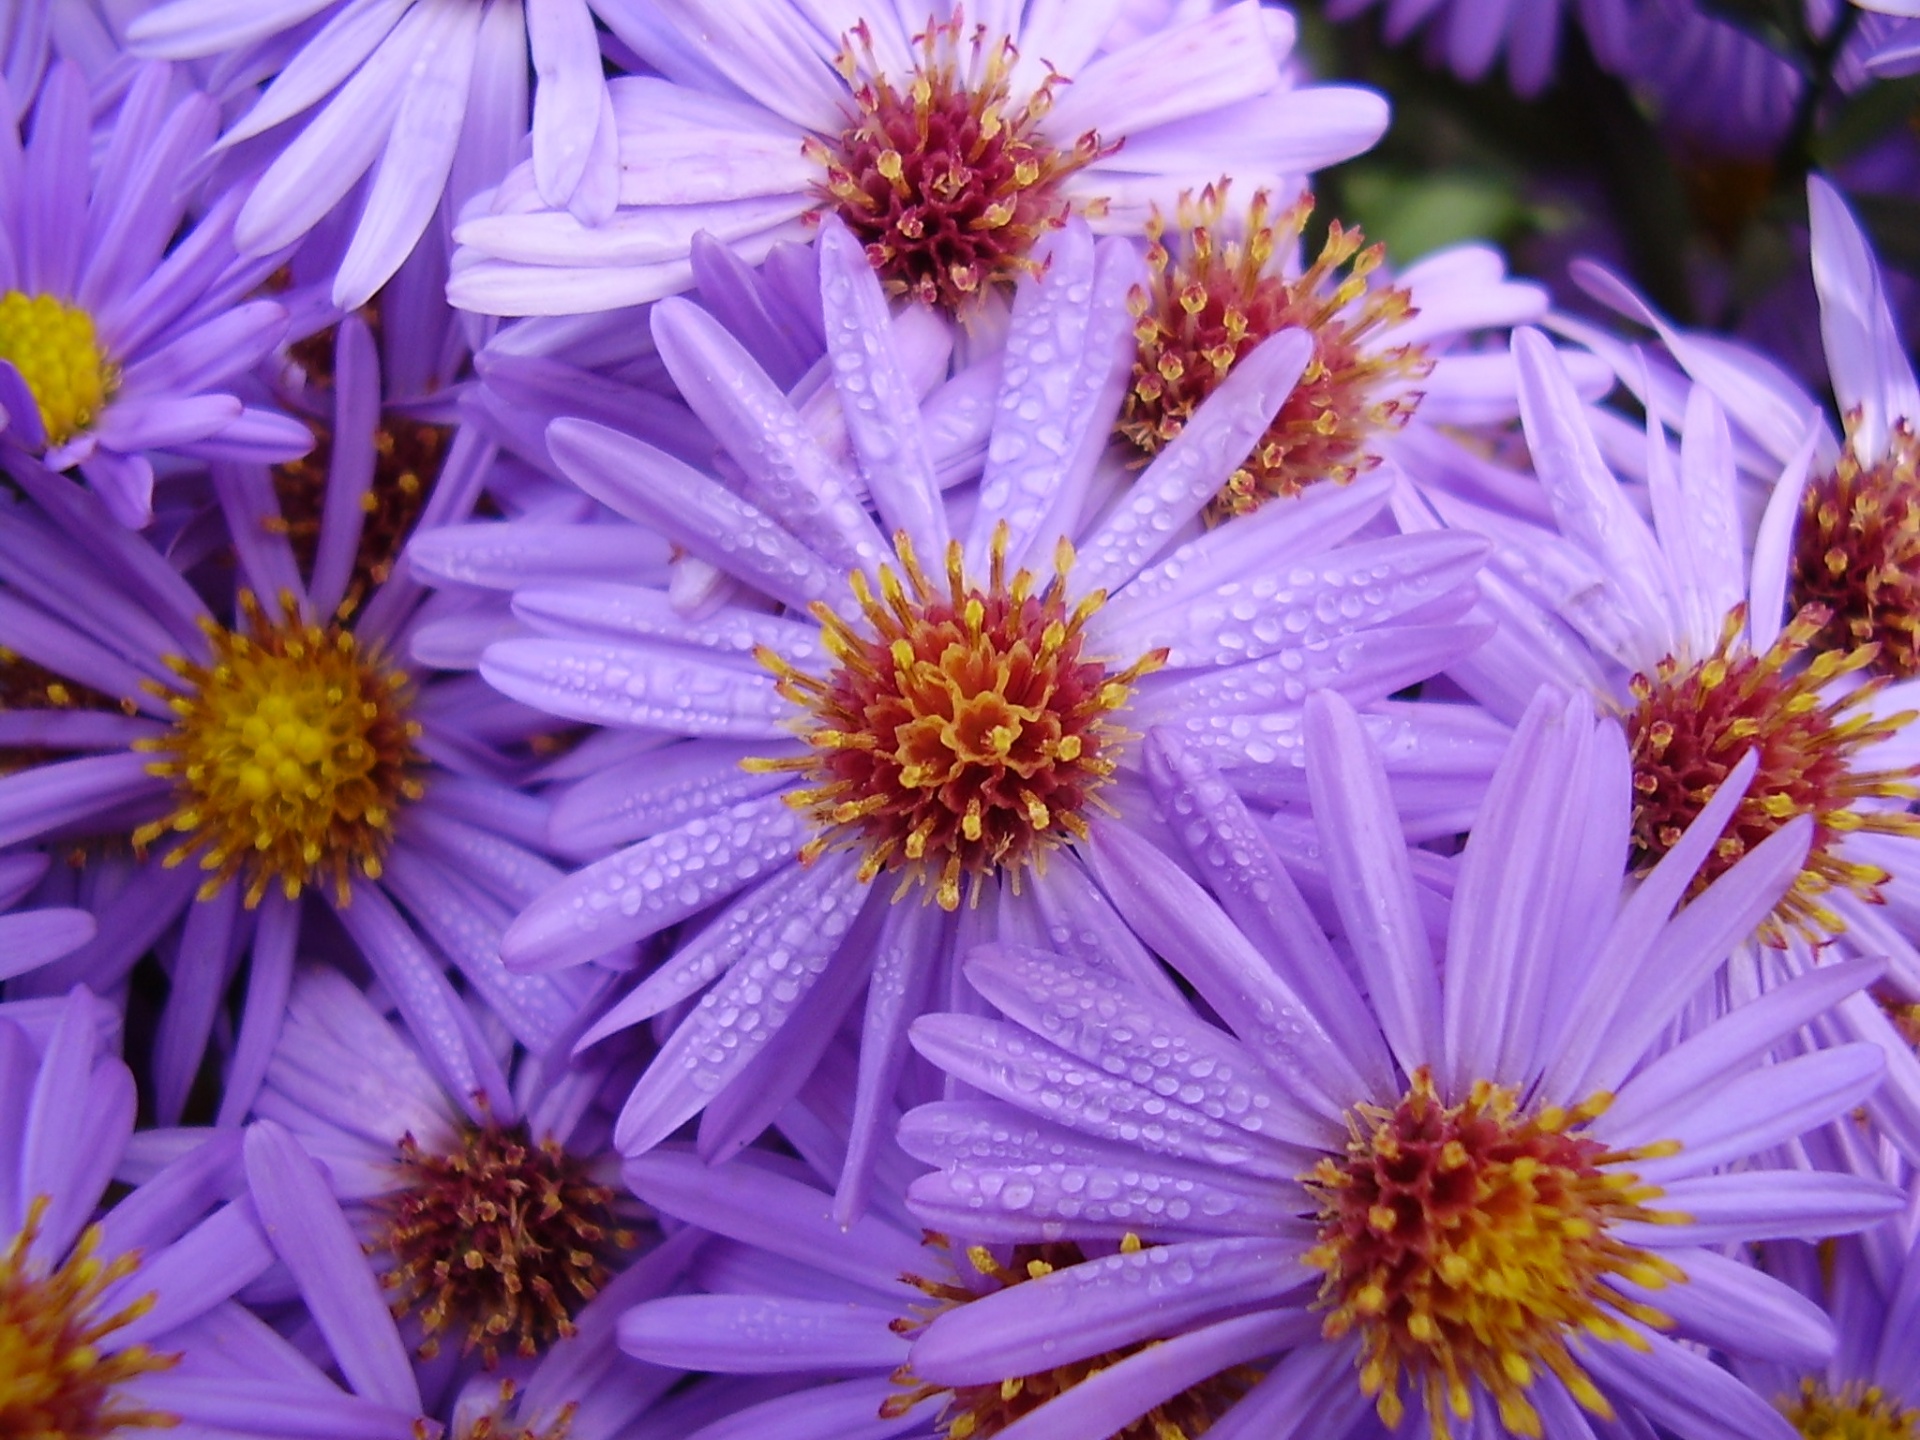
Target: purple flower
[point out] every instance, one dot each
(516, 1174)
(820, 109)
(1890, 39)
(1064, 602)
(279, 749)
(31, 938)
(119, 328)
(1467, 36)
(429, 96)
(98, 1305)
(1478, 1171)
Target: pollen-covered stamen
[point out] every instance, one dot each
(503, 1238)
(1217, 291)
(290, 754)
(964, 731)
(1692, 723)
(57, 1379)
(943, 175)
(1857, 553)
(978, 1412)
(58, 354)
(1469, 1243)
(1854, 1412)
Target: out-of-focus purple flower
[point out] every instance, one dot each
(863, 110)
(1889, 40)
(98, 1304)
(1467, 36)
(279, 748)
(118, 329)
(1065, 601)
(428, 95)
(516, 1178)
(1482, 1172)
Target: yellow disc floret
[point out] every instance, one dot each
(1854, 1412)
(1469, 1243)
(290, 753)
(56, 1379)
(57, 352)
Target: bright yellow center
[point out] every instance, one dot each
(55, 1381)
(1856, 1412)
(55, 349)
(1470, 1242)
(289, 755)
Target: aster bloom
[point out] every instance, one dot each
(931, 723)
(949, 143)
(31, 938)
(119, 327)
(1224, 277)
(1889, 39)
(832, 1311)
(430, 96)
(1674, 627)
(97, 1303)
(1468, 36)
(233, 767)
(493, 1215)
(1486, 1183)
(581, 1387)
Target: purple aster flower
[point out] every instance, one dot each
(862, 110)
(945, 713)
(240, 767)
(582, 1387)
(430, 96)
(32, 32)
(1480, 1176)
(119, 325)
(516, 1175)
(1889, 39)
(1467, 36)
(832, 1311)
(99, 1306)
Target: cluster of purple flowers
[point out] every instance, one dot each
(804, 718)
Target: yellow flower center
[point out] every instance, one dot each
(56, 1383)
(501, 1236)
(1211, 298)
(978, 1412)
(54, 347)
(289, 754)
(1855, 1412)
(1471, 1242)
(1691, 724)
(964, 731)
(1857, 553)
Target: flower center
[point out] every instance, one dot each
(976, 1412)
(1471, 1242)
(503, 1236)
(58, 355)
(964, 731)
(1855, 1412)
(289, 754)
(1212, 298)
(946, 179)
(55, 1379)
(1857, 553)
(1691, 724)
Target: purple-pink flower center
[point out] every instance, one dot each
(945, 177)
(964, 731)
(501, 1237)
(1212, 297)
(1857, 554)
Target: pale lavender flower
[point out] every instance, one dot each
(123, 327)
(430, 96)
(1890, 37)
(1269, 1165)
(1069, 125)
(1219, 632)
